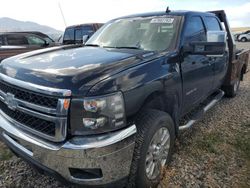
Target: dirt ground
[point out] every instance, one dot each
(214, 153)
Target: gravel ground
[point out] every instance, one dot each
(214, 153)
(243, 45)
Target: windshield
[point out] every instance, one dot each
(148, 33)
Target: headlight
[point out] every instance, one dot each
(97, 114)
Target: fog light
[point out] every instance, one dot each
(93, 123)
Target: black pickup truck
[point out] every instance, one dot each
(108, 113)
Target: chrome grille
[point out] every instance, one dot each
(46, 101)
(43, 126)
(37, 109)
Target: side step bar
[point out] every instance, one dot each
(199, 114)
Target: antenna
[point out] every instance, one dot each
(168, 10)
(62, 14)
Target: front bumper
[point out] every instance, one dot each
(111, 154)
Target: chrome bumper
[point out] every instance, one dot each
(111, 153)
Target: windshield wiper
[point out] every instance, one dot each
(137, 46)
(123, 47)
(130, 47)
(94, 45)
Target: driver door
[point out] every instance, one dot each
(197, 72)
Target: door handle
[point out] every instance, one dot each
(210, 59)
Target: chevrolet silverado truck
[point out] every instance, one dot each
(108, 113)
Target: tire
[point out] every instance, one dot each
(231, 91)
(244, 39)
(150, 122)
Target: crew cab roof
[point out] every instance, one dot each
(174, 13)
(79, 25)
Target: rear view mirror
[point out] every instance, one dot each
(45, 43)
(208, 48)
(215, 44)
(216, 36)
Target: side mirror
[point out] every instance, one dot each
(216, 36)
(46, 43)
(206, 48)
(85, 38)
(215, 44)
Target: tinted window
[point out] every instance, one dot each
(212, 24)
(69, 34)
(78, 34)
(87, 30)
(33, 40)
(16, 40)
(195, 30)
(1, 40)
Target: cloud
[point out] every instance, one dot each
(239, 15)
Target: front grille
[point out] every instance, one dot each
(35, 109)
(49, 102)
(38, 124)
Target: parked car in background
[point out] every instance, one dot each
(13, 43)
(244, 37)
(48, 39)
(236, 35)
(74, 34)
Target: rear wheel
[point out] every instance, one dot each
(153, 148)
(244, 39)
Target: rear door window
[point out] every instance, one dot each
(212, 24)
(16, 40)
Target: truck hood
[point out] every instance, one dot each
(68, 67)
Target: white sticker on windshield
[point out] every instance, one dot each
(162, 20)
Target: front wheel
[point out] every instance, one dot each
(153, 148)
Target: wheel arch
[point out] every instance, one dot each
(158, 100)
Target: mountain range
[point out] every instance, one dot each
(9, 24)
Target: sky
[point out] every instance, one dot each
(47, 12)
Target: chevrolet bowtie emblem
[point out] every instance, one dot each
(10, 101)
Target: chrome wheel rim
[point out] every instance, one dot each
(157, 153)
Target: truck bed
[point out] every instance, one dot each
(243, 56)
